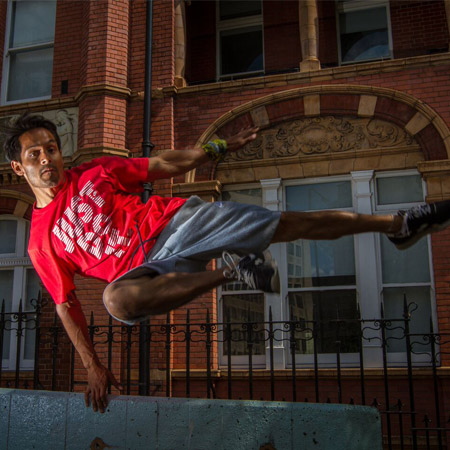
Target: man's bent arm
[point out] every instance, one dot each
(172, 163)
(74, 322)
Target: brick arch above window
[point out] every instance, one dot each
(16, 203)
(395, 131)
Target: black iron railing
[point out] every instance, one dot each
(223, 360)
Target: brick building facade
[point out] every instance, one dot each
(352, 99)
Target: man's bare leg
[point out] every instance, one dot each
(146, 295)
(138, 297)
(332, 225)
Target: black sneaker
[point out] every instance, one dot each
(420, 221)
(258, 271)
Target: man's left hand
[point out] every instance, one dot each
(242, 138)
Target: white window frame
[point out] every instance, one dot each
(7, 60)
(363, 201)
(239, 24)
(325, 360)
(19, 262)
(360, 5)
(238, 361)
(400, 358)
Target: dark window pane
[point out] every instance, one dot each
(8, 233)
(30, 74)
(321, 263)
(239, 309)
(241, 51)
(392, 190)
(319, 196)
(418, 297)
(337, 321)
(231, 9)
(364, 35)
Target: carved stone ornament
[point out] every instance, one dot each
(321, 135)
(66, 121)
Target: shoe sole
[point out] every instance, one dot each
(431, 229)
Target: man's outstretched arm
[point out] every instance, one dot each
(99, 376)
(177, 162)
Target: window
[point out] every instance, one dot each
(364, 30)
(239, 38)
(28, 64)
(321, 274)
(18, 282)
(338, 282)
(240, 304)
(405, 274)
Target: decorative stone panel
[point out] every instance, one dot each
(323, 135)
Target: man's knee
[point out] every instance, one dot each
(116, 298)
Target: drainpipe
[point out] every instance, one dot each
(147, 147)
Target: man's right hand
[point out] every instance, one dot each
(99, 378)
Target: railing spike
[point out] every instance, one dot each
(405, 308)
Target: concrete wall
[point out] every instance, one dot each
(59, 420)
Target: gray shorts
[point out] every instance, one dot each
(200, 231)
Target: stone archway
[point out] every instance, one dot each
(331, 130)
(16, 203)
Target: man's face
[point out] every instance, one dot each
(42, 162)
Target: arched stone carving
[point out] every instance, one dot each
(321, 135)
(330, 129)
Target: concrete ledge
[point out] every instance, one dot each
(59, 420)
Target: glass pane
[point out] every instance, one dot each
(33, 22)
(405, 266)
(8, 233)
(321, 263)
(420, 318)
(6, 292)
(364, 34)
(231, 9)
(319, 196)
(30, 74)
(394, 190)
(249, 196)
(32, 290)
(241, 50)
(337, 321)
(239, 309)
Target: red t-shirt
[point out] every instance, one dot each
(89, 228)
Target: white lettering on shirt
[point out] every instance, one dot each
(71, 229)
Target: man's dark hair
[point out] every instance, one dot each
(16, 127)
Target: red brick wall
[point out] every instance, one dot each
(67, 50)
(418, 27)
(282, 50)
(328, 46)
(201, 41)
(102, 120)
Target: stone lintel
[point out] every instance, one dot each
(434, 167)
(417, 123)
(206, 190)
(89, 153)
(367, 104)
(19, 196)
(21, 208)
(312, 105)
(260, 117)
